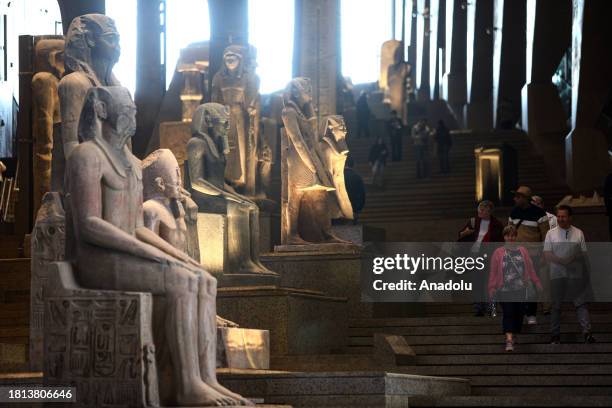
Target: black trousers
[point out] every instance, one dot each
(363, 127)
(513, 313)
(443, 151)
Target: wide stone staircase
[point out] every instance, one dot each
(472, 347)
(407, 201)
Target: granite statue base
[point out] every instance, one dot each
(319, 248)
(269, 230)
(341, 389)
(299, 321)
(336, 274)
(100, 342)
(359, 234)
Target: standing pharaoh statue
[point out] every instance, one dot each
(206, 183)
(306, 216)
(236, 85)
(49, 66)
(91, 51)
(111, 249)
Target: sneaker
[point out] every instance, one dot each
(555, 340)
(509, 345)
(532, 320)
(589, 339)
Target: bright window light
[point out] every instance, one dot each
(271, 32)
(124, 13)
(365, 25)
(187, 22)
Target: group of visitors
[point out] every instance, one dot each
(422, 135)
(543, 256)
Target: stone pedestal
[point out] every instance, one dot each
(334, 273)
(101, 342)
(239, 348)
(299, 321)
(359, 234)
(342, 389)
(212, 237)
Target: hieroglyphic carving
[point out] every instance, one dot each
(48, 243)
(107, 354)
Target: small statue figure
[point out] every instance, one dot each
(91, 51)
(213, 195)
(163, 207)
(397, 77)
(305, 212)
(111, 249)
(333, 151)
(237, 86)
(46, 119)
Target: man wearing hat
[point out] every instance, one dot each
(531, 223)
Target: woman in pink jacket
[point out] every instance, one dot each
(511, 279)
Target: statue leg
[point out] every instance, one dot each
(239, 237)
(179, 284)
(254, 237)
(293, 209)
(207, 337)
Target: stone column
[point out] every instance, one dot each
(434, 21)
(150, 76)
(508, 61)
(422, 50)
(548, 38)
(318, 50)
(70, 9)
(478, 111)
(587, 161)
(454, 74)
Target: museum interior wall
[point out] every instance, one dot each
(198, 242)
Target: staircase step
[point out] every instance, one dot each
(546, 400)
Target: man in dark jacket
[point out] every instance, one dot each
(363, 115)
(396, 130)
(444, 142)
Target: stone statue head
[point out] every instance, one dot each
(234, 59)
(90, 37)
(299, 90)
(212, 119)
(334, 130)
(161, 176)
(50, 56)
(108, 113)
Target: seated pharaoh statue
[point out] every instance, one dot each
(208, 188)
(111, 249)
(307, 184)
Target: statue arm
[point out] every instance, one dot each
(72, 91)
(85, 194)
(295, 136)
(149, 237)
(195, 155)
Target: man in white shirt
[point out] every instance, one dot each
(565, 251)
